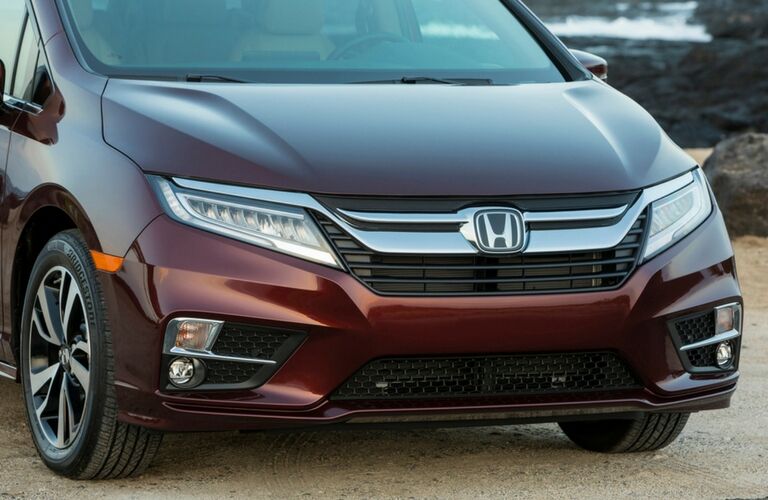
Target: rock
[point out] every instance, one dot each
(738, 172)
(560, 9)
(741, 19)
(701, 93)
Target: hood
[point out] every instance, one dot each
(404, 140)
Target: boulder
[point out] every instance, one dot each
(741, 19)
(738, 172)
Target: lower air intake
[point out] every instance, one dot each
(407, 378)
(695, 329)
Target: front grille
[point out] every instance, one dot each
(390, 274)
(534, 374)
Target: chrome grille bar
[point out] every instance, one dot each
(465, 216)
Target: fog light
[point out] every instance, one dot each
(186, 373)
(192, 334)
(181, 371)
(724, 354)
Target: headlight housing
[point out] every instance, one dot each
(675, 216)
(283, 228)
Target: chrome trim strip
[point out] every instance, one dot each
(414, 243)
(404, 218)
(576, 215)
(465, 216)
(723, 337)
(177, 351)
(459, 242)
(21, 105)
(729, 305)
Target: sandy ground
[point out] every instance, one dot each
(720, 455)
(700, 154)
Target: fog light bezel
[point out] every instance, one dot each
(732, 336)
(211, 359)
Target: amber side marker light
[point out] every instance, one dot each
(108, 263)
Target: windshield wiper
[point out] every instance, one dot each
(415, 80)
(211, 78)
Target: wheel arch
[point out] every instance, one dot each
(46, 212)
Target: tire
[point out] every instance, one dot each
(67, 370)
(651, 432)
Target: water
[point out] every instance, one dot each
(647, 21)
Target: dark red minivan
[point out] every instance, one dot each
(262, 214)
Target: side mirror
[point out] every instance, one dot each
(597, 65)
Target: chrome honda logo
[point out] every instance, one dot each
(500, 231)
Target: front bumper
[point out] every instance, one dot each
(173, 270)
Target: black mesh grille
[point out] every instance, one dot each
(489, 275)
(696, 329)
(249, 342)
(227, 373)
(703, 356)
(488, 376)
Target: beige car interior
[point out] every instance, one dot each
(83, 12)
(297, 26)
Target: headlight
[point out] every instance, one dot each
(282, 228)
(677, 215)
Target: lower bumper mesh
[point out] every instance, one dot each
(407, 378)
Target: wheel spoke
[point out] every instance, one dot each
(62, 414)
(73, 294)
(81, 373)
(55, 383)
(41, 331)
(83, 347)
(72, 427)
(51, 316)
(39, 379)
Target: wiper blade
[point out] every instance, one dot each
(415, 80)
(211, 78)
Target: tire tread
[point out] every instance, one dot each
(651, 432)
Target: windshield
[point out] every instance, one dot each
(306, 41)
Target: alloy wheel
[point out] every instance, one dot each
(59, 357)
